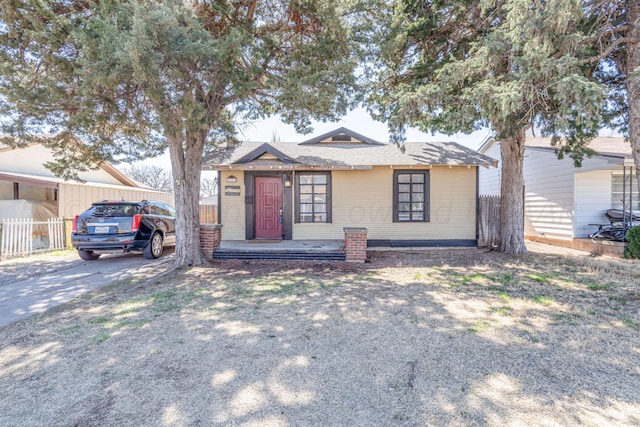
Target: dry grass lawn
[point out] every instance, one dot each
(457, 337)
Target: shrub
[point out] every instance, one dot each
(633, 237)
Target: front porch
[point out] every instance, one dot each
(262, 249)
(352, 249)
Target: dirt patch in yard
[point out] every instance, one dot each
(447, 337)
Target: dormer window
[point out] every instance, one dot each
(341, 138)
(341, 135)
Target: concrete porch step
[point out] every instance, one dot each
(222, 254)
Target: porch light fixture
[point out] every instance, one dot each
(231, 179)
(287, 181)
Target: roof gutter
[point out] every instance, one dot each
(43, 182)
(245, 167)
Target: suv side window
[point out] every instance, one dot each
(159, 209)
(170, 209)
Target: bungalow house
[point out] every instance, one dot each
(423, 195)
(563, 202)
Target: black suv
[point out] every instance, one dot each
(119, 226)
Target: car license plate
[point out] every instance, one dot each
(101, 230)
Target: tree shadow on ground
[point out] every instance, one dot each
(408, 339)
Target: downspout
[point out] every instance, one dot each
(219, 196)
(477, 203)
(56, 196)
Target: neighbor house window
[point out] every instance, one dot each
(313, 197)
(410, 196)
(620, 191)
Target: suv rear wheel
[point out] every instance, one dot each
(154, 249)
(88, 255)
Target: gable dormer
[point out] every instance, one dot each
(341, 136)
(265, 153)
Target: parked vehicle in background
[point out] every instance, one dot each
(123, 226)
(619, 223)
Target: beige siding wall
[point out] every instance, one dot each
(6, 190)
(75, 198)
(233, 220)
(453, 203)
(365, 199)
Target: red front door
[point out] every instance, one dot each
(268, 206)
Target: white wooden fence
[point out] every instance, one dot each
(24, 236)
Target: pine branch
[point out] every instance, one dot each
(609, 50)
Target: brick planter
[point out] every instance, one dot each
(355, 244)
(210, 238)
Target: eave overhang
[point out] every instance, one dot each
(295, 167)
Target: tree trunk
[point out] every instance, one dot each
(633, 81)
(512, 201)
(186, 164)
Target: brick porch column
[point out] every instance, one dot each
(355, 244)
(210, 238)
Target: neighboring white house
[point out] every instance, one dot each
(24, 177)
(561, 201)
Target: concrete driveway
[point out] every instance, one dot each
(32, 285)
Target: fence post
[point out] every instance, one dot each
(55, 228)
(52, 236)
(1, 238)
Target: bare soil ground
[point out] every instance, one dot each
(448, 337)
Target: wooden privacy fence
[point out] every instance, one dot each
(488, 221)
(208, 214)
(24, 236)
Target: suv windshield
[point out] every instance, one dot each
(113, 210)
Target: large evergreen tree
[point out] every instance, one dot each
(614, 30)
(458, 65)
(125, 79)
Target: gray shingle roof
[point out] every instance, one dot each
(446, 153)
(615, 146)
(340, 155)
